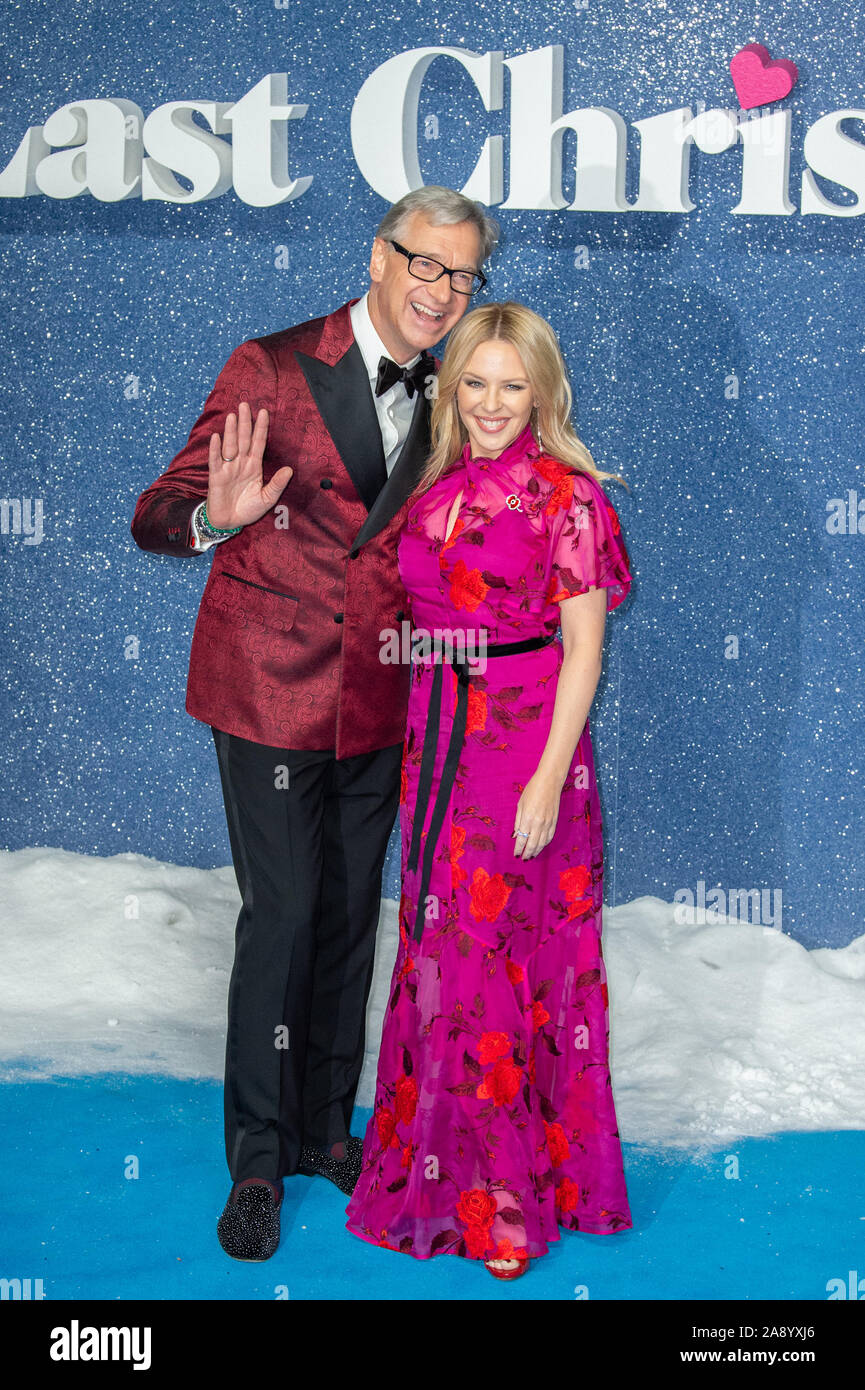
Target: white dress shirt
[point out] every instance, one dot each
(393, 407)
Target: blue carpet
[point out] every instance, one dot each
(787, 1225)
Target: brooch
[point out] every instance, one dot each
(514, 502)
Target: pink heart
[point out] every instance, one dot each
(758, 79)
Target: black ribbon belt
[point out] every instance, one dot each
(452, 757)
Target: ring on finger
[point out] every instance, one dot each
(225, 460)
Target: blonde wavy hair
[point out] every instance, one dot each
(539, 349)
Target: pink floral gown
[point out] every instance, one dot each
(493, 1122)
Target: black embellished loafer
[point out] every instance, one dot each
(344, 1172)
(248, 1228)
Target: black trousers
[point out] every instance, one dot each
(308, 837)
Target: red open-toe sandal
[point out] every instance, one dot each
(510, 1273)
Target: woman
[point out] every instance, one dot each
(493, 1123)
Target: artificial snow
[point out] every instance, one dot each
(718, 1030)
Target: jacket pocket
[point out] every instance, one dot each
(249, 603)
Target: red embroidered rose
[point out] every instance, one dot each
(614, 520)
(567, 1195)
(476, 1207)
(478, 1241)
(555, 593)
(458, 526)
(493, 1046)
(405, 1100)
(562, 479)
(502, 1083)
(605, 995)
(477, 711)
(405, 1161)
(557, 1144)
(506, 1250)
(406, 968)
(515, 972)
(489, 895)
(576, 883)
(385, 1125)
(540, 1016)
(467, 588)
(552, 469)
(457, 846)
(403, 784)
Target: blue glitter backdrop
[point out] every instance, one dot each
(741, 771)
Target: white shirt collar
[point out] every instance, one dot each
(367, 339)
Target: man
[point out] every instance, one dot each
(305, 508)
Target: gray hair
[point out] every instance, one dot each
(442, 207)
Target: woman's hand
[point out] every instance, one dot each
(235, 495)
(537, 815)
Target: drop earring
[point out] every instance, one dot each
(538, 428)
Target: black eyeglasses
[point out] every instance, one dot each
(424, 268)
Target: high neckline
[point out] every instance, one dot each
(519, 448)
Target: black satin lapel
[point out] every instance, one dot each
(344, 399)
(404, 475)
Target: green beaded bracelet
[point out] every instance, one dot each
(217, 530)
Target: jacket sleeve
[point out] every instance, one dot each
(163, 512)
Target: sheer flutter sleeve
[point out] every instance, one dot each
(586, 549)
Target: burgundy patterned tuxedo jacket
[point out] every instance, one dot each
(287, 640)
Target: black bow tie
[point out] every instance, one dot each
(413, 377)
